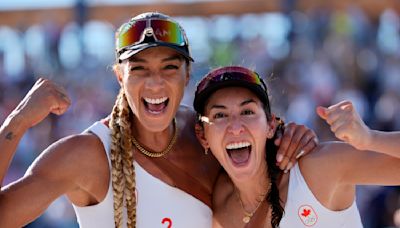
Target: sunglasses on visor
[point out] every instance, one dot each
(162, 30)
(231, 74)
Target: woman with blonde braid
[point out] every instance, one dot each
(142, 166)
(237, 125)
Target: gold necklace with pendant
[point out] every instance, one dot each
(248, 215)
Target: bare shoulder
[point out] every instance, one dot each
(326, 151)
(317, 167)
(72, 155)
(324, 171)
(327, 163)
(321, 163)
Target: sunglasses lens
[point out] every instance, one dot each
(163, 30)
(168, 32)
(130, 34)
(249, 76)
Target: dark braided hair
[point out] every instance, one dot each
(273, 170)
(274, 173)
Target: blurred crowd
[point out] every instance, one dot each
(308, 59)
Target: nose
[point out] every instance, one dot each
(235, 126)
(154, 81)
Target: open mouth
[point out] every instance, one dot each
(155, 105)
(239, 152)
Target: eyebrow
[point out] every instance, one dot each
(134, 59)
(248, 101)
(218, 107)
(251, 100)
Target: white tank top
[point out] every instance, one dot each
(302, 209)
(158, 204)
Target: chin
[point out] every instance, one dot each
(157, 126)
(242, 175)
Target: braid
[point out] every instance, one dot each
(118, 182)
(273, 173)
(127, 162)
(123, 173)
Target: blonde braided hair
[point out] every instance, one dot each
(123, 172)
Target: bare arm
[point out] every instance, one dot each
(343, 164)
(43, 98)
(358, 164)
(384, 142)
(11, 133)
(49, 177)
(69, 166)
(29, 196)
(334, 169)
(348, 126)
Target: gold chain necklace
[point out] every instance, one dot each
(157, 154)
(248, 215)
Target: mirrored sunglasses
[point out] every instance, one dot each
(231, 74)
(162, 30)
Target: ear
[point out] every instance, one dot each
(273, 124)
(119, 72)
(199, 130)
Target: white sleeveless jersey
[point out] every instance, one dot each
(302, 209)
(158, 204)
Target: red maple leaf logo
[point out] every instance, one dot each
(306, 212)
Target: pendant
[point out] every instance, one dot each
(246, 219)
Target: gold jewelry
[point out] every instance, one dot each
(248, 215)
(154, 154)
(270, 135)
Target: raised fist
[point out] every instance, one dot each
(346, 123)
(43, 98)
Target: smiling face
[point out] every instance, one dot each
(154, 82)
(238, 131)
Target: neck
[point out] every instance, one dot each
(253, 189)
(155, 141)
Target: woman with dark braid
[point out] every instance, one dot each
(142, 166)
(237, 125)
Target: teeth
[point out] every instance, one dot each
(155, 101)
(237, 145)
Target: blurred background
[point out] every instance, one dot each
(311, 52)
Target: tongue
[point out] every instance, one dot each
(156, 107)
(240, 155)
